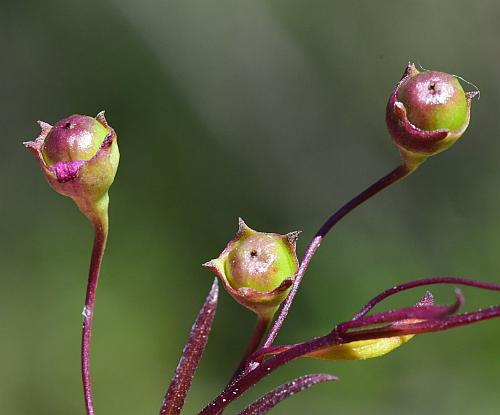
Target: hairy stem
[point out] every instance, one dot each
(245, 382)
(100, 238)
(438, 322)
(395, 175)
(249, 377)
(424, 282)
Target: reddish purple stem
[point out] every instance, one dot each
(392, 177)
(100, 237)
(425, 281)
(437, 316)
(417, 312)
(427, 326)
(191, 355)
(244, 383)
(271, 399)
(423, 310)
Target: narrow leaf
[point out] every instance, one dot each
(484, 285)
(273, 398)
(191, 355)
(427, 326)
(424, 310)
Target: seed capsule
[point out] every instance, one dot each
(427, 112)
(79, 157)
(258, 268)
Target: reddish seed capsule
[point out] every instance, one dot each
(427, 112)
(77, 137)
(79, 157)
(434, 101)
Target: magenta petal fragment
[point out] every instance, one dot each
(67, 170)
(191, 355)
(270, 400)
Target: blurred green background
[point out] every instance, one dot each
(269, 110)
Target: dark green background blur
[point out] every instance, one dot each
(269, 110)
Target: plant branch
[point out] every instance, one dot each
(426, 326)
(100, 238)
(425, 281)
(289, 353)
(395, 175)
(245, 382)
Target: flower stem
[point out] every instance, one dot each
(244, 380)
(425, 281)
(100, 238)
(243, 383)
(395, 175)
(438, 321)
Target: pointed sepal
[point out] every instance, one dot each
(257, 268)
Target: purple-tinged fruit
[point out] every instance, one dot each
(76, 138)
(79, 157)
(258, 268)
(427, 112)
(434, 100)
